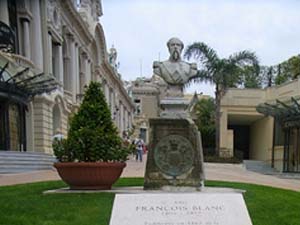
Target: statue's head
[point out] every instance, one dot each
(175, 47)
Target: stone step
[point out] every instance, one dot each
(32, 167)
(21, 170)
(25, 162)
(18, 169)
(26, 158)
(259, 166)
(22, 154)
(20, 162)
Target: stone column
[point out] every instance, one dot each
(30, 127)
(26, 39)
(60, 64)
(106, 92)
(36, 36)
(50, 54)
(125, 119)
(42, 127)
(118, 112)
(109, 98)
(225, 150)
(112, 104)
(76, 75)
(121, 125)
(4, 16)
(88, 72)
(67, 62)
(83, 72)
(130, 119)
(72, 69)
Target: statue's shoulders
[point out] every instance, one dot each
(156, 64)
(170, 64)
(184, 63)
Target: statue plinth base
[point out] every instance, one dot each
(174, 107)
(175, 155)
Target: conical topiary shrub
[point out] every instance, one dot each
(92, 136)
(92, 157)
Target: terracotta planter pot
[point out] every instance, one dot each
(89, 175)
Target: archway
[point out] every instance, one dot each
(100, 44)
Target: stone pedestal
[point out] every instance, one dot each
(174, 107)
(175, 156)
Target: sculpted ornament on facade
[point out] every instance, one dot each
(53, 14)
(112, 58)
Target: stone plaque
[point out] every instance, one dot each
(180, 209)
(174, 155)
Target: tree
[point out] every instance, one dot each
(251, 77)
(223, 72)
(281, 77)
(205, 112)
(267, 74)
(92, 136)
(288, 70)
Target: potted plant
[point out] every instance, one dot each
(92, 156)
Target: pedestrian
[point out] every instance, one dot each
(139, 143)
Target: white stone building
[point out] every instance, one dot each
(63, 39)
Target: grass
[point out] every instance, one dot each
(26, 205)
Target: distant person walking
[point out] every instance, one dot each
(139, 143)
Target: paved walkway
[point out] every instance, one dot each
(213, 171)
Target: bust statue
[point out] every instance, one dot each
(175, 72)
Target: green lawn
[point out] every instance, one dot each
(26, 205)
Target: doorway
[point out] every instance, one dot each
(12, 126)
(241, 134)
(4, 141)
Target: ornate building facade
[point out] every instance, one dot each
(64, 40)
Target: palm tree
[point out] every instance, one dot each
(223, 72)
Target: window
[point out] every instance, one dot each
(137, 103)
(143, 134)
(55, 60)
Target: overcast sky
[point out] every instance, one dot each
(139, 30)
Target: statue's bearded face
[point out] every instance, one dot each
(175, 49)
